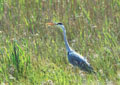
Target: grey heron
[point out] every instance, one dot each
(73, 57)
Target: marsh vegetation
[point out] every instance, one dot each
(33, 53)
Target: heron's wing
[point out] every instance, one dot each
(78, 60)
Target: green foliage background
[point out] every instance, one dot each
(33, 53)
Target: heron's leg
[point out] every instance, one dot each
(81, 72)
(75, 69)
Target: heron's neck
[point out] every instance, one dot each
(66, 42)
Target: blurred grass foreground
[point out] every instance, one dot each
(32, 53)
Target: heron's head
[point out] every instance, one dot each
(60, 25)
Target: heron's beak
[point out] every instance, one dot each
(50, 24)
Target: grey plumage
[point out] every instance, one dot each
(77, 60)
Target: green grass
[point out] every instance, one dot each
(33, 53)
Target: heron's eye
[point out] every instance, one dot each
(59, 24)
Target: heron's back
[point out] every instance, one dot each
(77, 60)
